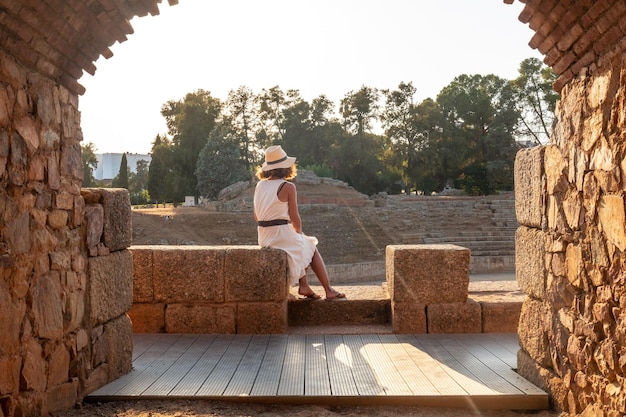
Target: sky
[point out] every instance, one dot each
(318, 47)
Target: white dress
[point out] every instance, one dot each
(299, 247)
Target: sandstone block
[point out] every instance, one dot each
(48, 307)
(611, 218)
(148, 318)
(255, 274)
(454, 317)
(10, 370)
(500, 317)
(530, 256)
(111, 286)
(427, 274)
(262, 318)
(543, 378)
(118, 229)
(94, 217)
(532, 335)
(143, 283)
(119, 335)
(200, 318)
(61, 397)
(59, 366)
(10, 329)
(34, 370)
(528, 186)
(408, 318)
(184, 274)
(96, 379)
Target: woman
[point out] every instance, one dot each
(280, 226)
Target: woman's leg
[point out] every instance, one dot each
(319, 267)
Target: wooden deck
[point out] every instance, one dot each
(455, 371)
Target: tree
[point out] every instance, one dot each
(189, 123)
(220, 163)
(481, 115)
(241, 112)
(121, 179)
(160, 175)
(536, 100)
(90, 162)
(359, 110)
(138, 183)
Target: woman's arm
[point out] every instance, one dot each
(289, 194)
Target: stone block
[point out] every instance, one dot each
(408, 318)
(255, 274)
(111, 286)
(200, 318)
(119, 336)
(530, 258)
(543, 378)
(528, 186)
(58, 366)
(61, 397)
(148, 318)
(500, 317)
(184, 274)
(48, 306)
(532, 331)
(454, 317)
(262, 318)
(94, 218)
(427, 274)
(10, 329)
(143, 282)
(10, 371)
(118, 229)
(96, 379)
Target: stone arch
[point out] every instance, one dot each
(570, 194)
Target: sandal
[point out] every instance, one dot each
(338, 295)
(311, 296)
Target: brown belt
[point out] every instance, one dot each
(268, 223)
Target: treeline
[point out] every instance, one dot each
(376, 140)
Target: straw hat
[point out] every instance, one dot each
(276, 157)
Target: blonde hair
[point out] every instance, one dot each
(282, 173)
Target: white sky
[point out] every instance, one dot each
(316, 46)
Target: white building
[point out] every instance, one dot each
(109, 164)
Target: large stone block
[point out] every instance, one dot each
(148, 318)
(200, 318)
(454, 317)
(532, 331)
(500, 317)
(408, 318)
(255, 274)
(110, 286)
(530, 258)
(427, 274)
(143, 283)
(262, 318)
(184, 274)
(117, 228)
(529, 188)
(119, 336)
(61, 397)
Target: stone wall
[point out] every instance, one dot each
(56, 333)
(209, 289)
(570, 247)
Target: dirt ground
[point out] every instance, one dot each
(200, 408)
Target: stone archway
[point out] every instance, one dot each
(54, 349)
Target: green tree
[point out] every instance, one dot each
(359, 110)
(220, 163)
(189, 122)
(242, 114)
(121, 179)
(481, 115)
(90, 162)
(138, 183)
(536, 100)
(160, 174)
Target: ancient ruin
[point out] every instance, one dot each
(56, 340)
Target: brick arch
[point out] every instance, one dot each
(61, 39)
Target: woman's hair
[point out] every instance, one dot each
(283, 173)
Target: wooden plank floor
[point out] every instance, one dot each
(473, 371)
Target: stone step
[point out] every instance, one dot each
(339, 312)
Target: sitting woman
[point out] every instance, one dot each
(280, 226)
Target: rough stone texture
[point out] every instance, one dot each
(529, 186)
(110, 287)
(143, 275)
(188, 274)
(408, 318)
(530, 255)
(118, 334)
(262, 318)
(148, 318)
(500, 317)
(427, 274)
(454, 317)
(260, 280)
(118, 229)
(201, 318)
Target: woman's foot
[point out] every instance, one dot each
(308, 294)
(334, 295)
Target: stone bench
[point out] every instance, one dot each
(209, 289)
